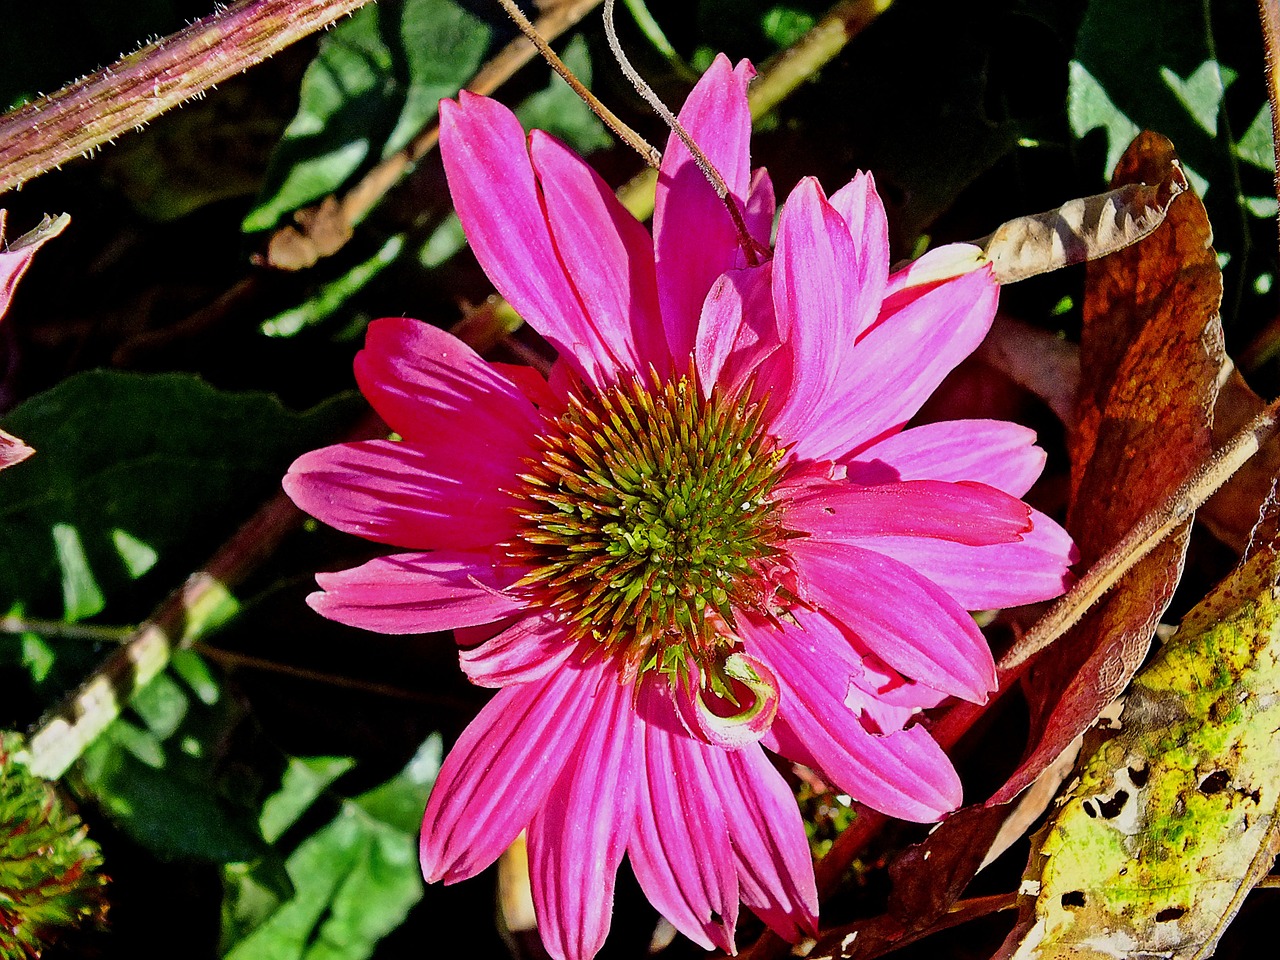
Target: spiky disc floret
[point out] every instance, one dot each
(647, 519)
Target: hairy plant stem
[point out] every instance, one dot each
(628, 136)
(704, 163)
(46, 133)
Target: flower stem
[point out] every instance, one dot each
(54, 129)
(704, 164)
(628, 136)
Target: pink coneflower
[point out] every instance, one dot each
(14, 260)
(705, 535)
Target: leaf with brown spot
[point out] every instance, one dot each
(1150, 351)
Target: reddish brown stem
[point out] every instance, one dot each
(54, 129)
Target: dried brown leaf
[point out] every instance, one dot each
(1083, 229)
(1151, 352)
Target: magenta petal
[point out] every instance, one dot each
(1000, 454)
(431, 387)
(818, 306)
(907, 621)
(694, 237)
(904, 773)
(577, 839)
(899, 363)
(501, 769)
(736, 330)
(491, 179)
(761, 206)
(418, 592)
(680, 851)
(775, 871)
(724, 723)
(408, 495)
(863, 213)
(12, 450)
(963, 512)
(993, 577)
(607, 254)
(527, 650)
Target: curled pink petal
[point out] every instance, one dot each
(739, 716)
(737, 331)
(12, 450)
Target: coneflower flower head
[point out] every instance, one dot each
(704, 535)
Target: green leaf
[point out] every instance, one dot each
(353, 881)
(139, 477)
(373, 86)
(1172, 821)
(159, 773)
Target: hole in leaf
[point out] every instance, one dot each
(1214, 782)
(1170, 913)
(1139, 775)
(1110, 809)
(1090, 810)
(1073, 899)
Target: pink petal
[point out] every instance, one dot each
(963, 512)
(898, 364)
(12, 450)
(722, 722)
(694, 237)
(492, 182)
(680, 851)
(904, 774)
(501, 769)
(736, 330)
(606, 253)
(941, 263)
(527, 650)
(761, 207)
(775, 871)
(578, 837)
(907, 621)
(819, 309)
(432, 388)
(418, 592)
(999, 454)
(15, 257)
(863, 213)
(992, 577)
(409, 495)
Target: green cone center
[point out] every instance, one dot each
(647, 520)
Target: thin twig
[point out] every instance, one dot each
(54, 129)
(651, 155)
(704, 164)
(57, 630)
(1269, 13)
(1144, 537)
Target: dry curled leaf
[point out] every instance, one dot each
(1173, 821)
(1150, 352)
(1083, 229)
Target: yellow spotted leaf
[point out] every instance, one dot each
(1172, 821)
